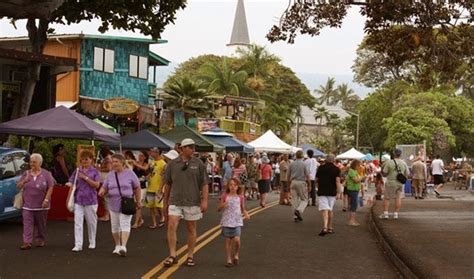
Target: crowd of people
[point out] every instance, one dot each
(175, 185)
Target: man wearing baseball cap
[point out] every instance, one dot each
(393, 188)
(186, 190)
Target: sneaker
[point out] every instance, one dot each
(383, 216)
(76, 249)
(91, 246)
(123, 251)
(298, 215)
(421, 198)
(116, 250)
(395, 215)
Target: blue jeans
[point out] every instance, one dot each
(354, 196)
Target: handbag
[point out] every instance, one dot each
(127, 205)
(70, 199)
(400, 177)
(18, 200)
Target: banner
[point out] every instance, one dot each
(205, 124)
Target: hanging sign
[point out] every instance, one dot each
(121, 106)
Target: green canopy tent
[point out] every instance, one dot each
(177, 134)
(105, 125)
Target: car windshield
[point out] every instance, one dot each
(7, 168)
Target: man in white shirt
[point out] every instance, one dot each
(312, 166)
(437, 169)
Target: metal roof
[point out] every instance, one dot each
(89, 36)
(155, 59)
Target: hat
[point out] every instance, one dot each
(187, 142)
(264, 154)
(156, 149)
(172, 154)
(398, 151)
(265, 160)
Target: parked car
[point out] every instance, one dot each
(13, 162)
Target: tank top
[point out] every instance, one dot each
(232, 214)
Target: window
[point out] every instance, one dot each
(138, 66)
(7, 168)
(104, 59)
(21, 162)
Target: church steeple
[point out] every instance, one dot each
(240, 32)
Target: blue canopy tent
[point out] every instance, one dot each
(367, 157)
(230, 143)
(317, 152)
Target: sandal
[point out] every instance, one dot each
(323, 232)
(330, 231)
(229, 264)
(152, 227)
(236, 261)
(190, 262)
(161, 224)
(170, 261)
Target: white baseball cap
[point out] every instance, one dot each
(187, 142)
(172, 154)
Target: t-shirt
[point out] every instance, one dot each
(298, 170)
(326, 176)
(227, 170)
(251, 170)
(85, 194)
(437, 167)
(312, 166)
(128, 181)
(283, 170)
(351, 184)
(418, 169)
(266, 170)
(156, 177)
(186, 179)
(390, 171)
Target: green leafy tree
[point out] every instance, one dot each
(144, 16)
(188, 96)
(327, 94)
(321, 114)
(224, 80)
(346, 97)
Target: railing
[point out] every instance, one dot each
(240, 126)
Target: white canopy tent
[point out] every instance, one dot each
(269, 142)
(350, 154)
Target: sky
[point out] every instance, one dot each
(204, 27)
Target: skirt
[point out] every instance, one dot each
(231, 232)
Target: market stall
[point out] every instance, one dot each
(269, 142)
(179, 133)
(143, 139)
(230, 143)
(350, 154)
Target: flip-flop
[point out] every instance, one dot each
(151, 227)
(161, 224)
(190, 262)
(170, 261)
(229, 265)
(323, 232)
(330, 231)
(236, 261)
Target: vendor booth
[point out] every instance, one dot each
(59, 122)
(179, 133)
(143, 139)
(317, 152)
(351, 154)
(230, 143)
(269, 142)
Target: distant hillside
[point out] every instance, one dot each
(312, 81)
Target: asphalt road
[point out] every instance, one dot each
(273, 246)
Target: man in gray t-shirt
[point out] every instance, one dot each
(298, 179)
(186, 190)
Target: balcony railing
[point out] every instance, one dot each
(240, 126)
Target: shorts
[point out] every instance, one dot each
(392, 192)
(438, 179)
(251, 183)
(153, 201)
(188, 213)
(284, 186)
(143, 194)
(263, 186)
(231, 232)
(326, 202)
(418, 183)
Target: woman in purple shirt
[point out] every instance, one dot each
(129, 185)
(85, 200)
(37, 185)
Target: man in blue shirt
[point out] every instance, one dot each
(227, 166)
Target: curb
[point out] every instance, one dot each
(404, 270)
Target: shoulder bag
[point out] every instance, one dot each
(70, 199)
(400, 177)
(127, 205)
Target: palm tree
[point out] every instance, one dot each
(321, 114)
(188, 96)
(258, 63)
(327, 93)
(223, 80)
(346, 97)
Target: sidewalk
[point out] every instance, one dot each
(433, 238)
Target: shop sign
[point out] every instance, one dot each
(121, 106)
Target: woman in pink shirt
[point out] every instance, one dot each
(264, 183)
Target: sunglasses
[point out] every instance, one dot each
(185, 167)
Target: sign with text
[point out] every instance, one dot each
(121, 106)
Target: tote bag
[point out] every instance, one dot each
(18, 200)
(70, 200)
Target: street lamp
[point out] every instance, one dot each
(158, 106)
